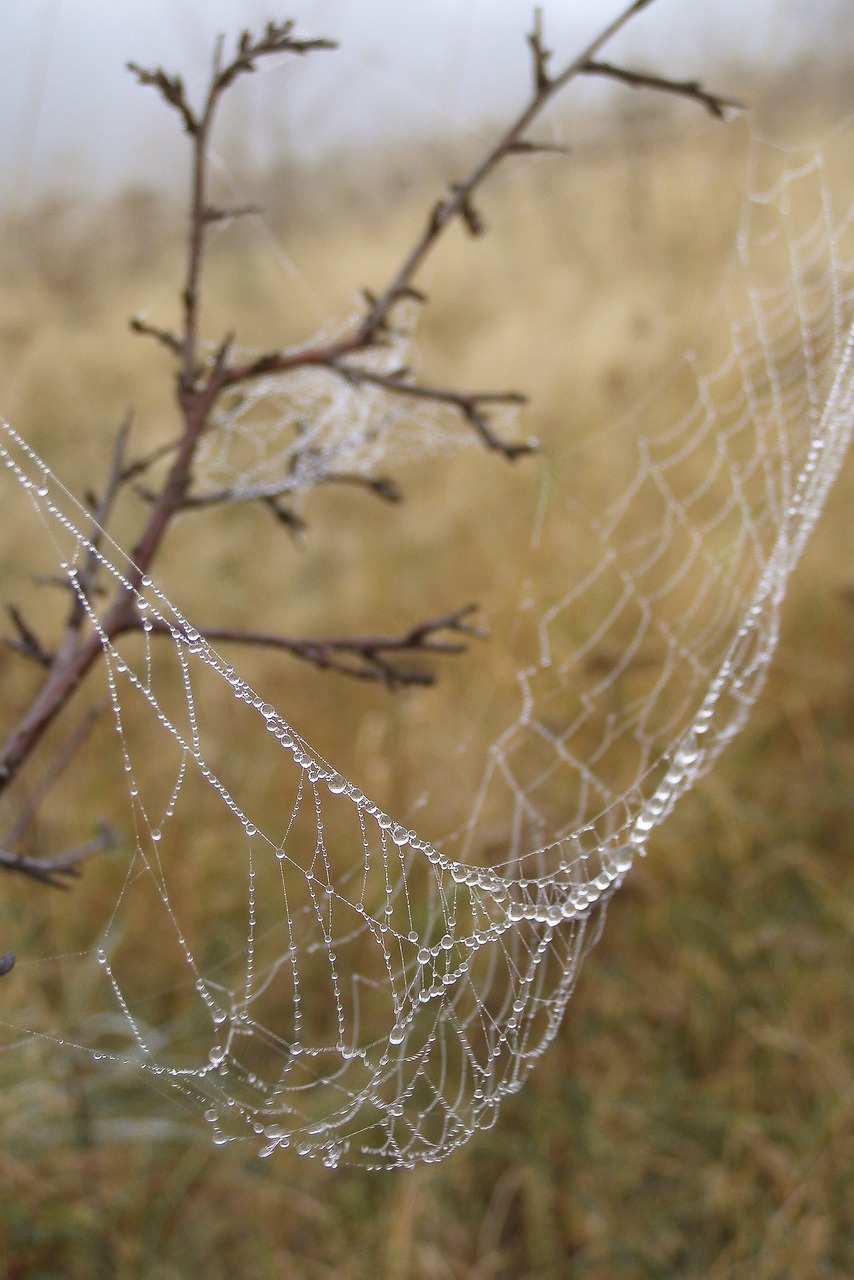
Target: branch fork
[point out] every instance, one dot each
(202, 380)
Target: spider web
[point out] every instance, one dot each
(283, 437)
(388, 987)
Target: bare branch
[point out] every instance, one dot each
(214, 214)
(294, 524)
(469, 403)
(522, 146)
(28, 642)
(717, 105)
(171, 89)
(540, 55)
(475, 224)
(460, 197)
(295, 358)
(381, 486)
(56, 870)
(459, 202)
(277, 38)
(362, 657)
(140, 465)
(163, 336)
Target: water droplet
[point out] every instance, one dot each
(623, 858)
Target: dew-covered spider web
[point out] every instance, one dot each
(280, 437)
(389, 981)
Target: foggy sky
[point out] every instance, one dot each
(74, 117)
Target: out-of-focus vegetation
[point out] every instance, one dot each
(695, 1116)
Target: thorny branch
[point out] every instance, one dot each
(202, 380)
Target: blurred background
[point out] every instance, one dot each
(695, 1116)
(76, 122)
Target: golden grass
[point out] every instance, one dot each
(695, 1116)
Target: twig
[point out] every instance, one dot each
(539, 54)
(165, 337)
(171, 89)
(469, 403)
(459, 203)
(28, 642)
(370, 653)
(294, 523)
(523, 147)
(142, 464)
(277, 38)
(382, 486)
(461, 194)
(715, 103)
(214, 214)
(51, 870)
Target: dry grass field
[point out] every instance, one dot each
(695, 1116)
